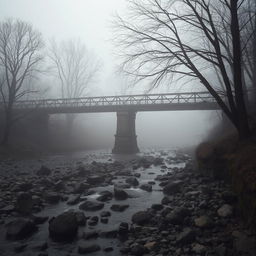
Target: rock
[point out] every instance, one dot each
(40, 219)
(64, 227)
(90, 235)
(24, 203)
(157, 207)
(105, 196)
(225, 210)
(150, 245)
(20, 229)
(146, 187)
(172, 187)
(40, 246)
(177, 216)
(104, 220)
(141, 217)
(93, 221)
(81, 187)
(203, 222)
(75, 199)
(229, 197)
(25, 187)
(95, 180)
(186, 236)
(91, 206)
(44, 171)
(7, 209)
(132, 181)
(199, 248)
(120, 194)
(52, 197)
(137, 249)
(105, 214)
(111, 233)
(123, 228)
(119, 207)
(108, 249)
(81, 219)
(84, 248)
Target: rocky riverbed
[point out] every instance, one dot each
(154, 203)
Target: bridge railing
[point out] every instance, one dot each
(121, 100)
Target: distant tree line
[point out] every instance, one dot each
(24, 55)
(209, 41)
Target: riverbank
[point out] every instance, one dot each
(154, 203)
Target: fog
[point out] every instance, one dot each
(90, 21)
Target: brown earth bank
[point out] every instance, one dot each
(234, 161)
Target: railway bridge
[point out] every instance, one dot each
(126, 107)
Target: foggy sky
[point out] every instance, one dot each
(90, 20)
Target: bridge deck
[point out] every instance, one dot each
(143, 102)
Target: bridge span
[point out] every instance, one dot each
(126, 107)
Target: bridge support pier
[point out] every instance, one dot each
(125, 138)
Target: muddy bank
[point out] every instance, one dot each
(150, 204)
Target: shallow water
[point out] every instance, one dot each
(139, 200)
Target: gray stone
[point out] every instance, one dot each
(84, 248)
(91, 206)
(225, 210)
(141, 217)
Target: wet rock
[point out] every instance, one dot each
(104, 220)
(91, 206)
(95, 180)
(137, 249)
(93, 221)
(105, 196)
(141, 217)
(90, 235)
(119, 207)
(157, 207)
(111, 233)
(84, 248)
(7, 209)
(186, 236)
(177, 216)
(52, 197)
(199, 249)
(64, 227)
(81, 219)
(150, 245)
(225, 210)
(173, 187)
(120, 194)
(123, 228)
(44, 171)
(108, 249)
(39, 246)
(24, 187)
(203, 222)
(81, 187)
(20, 229)
(146, 187)
(105, 214)
(74, 199)
(39, 219)
(24, 203)
(132, 181)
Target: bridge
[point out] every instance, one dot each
(126, 107)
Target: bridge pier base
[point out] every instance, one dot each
(125, 138)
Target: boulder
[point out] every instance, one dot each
(177, 216)
(95, 179)
(187, 236)
(132, 181)
(225, 210)
(64, 227)
(81, 219)
(74, 199)
(85, 248)
(141, 217)
(44, 171)
(120, 194)
(52, 197)
(119, 207)
(20, 229)
(91, 206)
(146, 187)
(105, 196)
(173, 187)
(81, 187)
(203, 222)
(24, 203)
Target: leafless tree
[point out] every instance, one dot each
(20, 47)
(75, 68)
(187, 38)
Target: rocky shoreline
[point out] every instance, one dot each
(155, 204)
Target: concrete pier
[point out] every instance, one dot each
(125, 138)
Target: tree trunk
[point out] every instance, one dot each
(242, 116)
(7, 126)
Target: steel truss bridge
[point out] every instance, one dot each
(140, 102)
